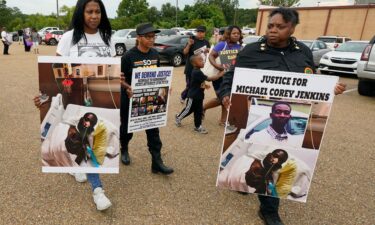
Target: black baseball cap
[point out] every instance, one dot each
(201, 28)
(145, 28)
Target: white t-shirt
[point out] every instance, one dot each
(263, 137)
(95, 46)
(3, 36)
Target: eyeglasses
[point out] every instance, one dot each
(149, 37)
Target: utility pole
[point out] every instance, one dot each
(57, 13)
(176, 13)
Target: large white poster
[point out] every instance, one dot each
(149, 104)
(80, 118)
(276, 125)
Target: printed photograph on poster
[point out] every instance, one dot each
(267, 170)
(79, 116)
(275, 127)
(149, 101)
(277, 122)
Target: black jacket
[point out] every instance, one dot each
(297, 57)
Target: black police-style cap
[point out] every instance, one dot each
(201, 28)
(145, 28)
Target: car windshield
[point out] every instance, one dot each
(307, 43)
(121, 33)
(327, 40)
(352, 47)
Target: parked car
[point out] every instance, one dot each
(42, 32)
(366, 70)
(53, 37)
(171, 49)
(124, 40)
(179, 30)
(166, 32)
(250, 39)
(344, 59)
(248, 31)
(318, 48)
(333, 41)
(192, 32)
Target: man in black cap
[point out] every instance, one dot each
(195, 46)
(142, 55)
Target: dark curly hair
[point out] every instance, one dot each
(288, 14)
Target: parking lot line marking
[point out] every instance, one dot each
(350, 90)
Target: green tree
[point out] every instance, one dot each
(132, 12)
(66, 14)
(281, 3)
(168, 13)
(246, 17)
(228, 8)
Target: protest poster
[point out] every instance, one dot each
(149, 104)
(228, 57)
(277, 121)
(79, 114)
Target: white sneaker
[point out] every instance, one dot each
(201, 130)
(177, 121)
(230, 129)
(80, 177)
(101, 201)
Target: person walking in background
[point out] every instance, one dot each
(195, 94)
(20, 36)
(26, 39)
(35, 39)
(5, 41)
(232, 40)
(197, 45)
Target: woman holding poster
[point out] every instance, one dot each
(277, 50)
(232, 40)
(90, 36)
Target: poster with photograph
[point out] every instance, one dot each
(79, 114)
(149, 103)
(274, 131)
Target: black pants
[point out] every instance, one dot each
(153, 137)
(6, 48)
(185, 91)
(268, 205)
(193, 105)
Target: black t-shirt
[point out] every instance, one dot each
(135, 59)
(197, 45)
(196, 90)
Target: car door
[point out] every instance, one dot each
(130, 39)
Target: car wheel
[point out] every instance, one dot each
(176, 60)
(120, 49)
(366, 87)
(52, 41)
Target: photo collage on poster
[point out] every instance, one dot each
(149, 101)
(273, 144)
(79, 115)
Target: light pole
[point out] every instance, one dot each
(176, 12)
(57, 13)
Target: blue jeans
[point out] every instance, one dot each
(268, 205)
(94, 180)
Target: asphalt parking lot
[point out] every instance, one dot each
(342, 190)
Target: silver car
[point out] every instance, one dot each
(366, 70)
(124, 40)
(318, 48)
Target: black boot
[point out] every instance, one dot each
(125, 157)
(158, 165)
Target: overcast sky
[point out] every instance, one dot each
(46, 7)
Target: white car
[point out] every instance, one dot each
(42, 32)
(366, 70)
(247, 31)
(344, 59)
(124, 40)
(333, 41)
